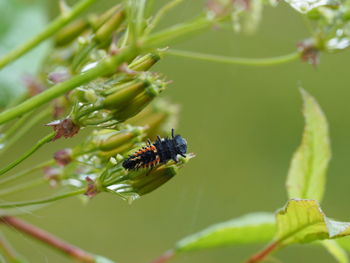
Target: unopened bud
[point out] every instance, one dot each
(158, 118)
(70, 32)
(112, 24)
(145, 62)
(119, 138)
(63, 157)
(66, 128)
(309, 52)
(124, 94)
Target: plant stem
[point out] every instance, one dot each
(42, 201)
(48, 239)
(107, 66)
(263, 253)
(23, 186)
(8, 251)
(234, 60)
(160, 14)
(166, 35)
(15, 128)
(164, 257)
(40, 143)
(49, 31)
(26, 172)
(29, 121)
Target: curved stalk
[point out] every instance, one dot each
(8, 251)
(42, 201)
(49, 31)
(31, 170)
(165, 257)
(48, 239)
(21, 127)
(260, 256)
(160, 14)
(107, 66)
(43, 141)
(234, 60)
(23, 186)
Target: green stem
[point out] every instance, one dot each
(160, 14)
(42, 201)
(15, 127)
(23, 186)
(26, 172)
(49, 31)
(8, 251)
(29, 121)
(234, 60)
(169, 34)
(107, 66)
(40, 143)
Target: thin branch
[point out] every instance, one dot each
(9, 251)
(234, 60)
(22, 127)
(22, 186)
(48, 239)
(29, 171)
(36, 147)
(260, 256)
(107, 66)
(160, 14)
(49, 31)
(165, 257)
(42, 201)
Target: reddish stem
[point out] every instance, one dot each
(164, 257)
(261, 255)
(48, 239)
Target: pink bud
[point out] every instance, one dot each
(66, 128)
(63, 157)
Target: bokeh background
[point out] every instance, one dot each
(243, 123)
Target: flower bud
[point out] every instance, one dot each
(309, 51)
(154, 179)
(145, 62)
(66, 128)
(116, 139)
(104, 33)
(158, 118)
(97, 21)
(63, 157)
(124, 94)
(70, 32)
(138, 103)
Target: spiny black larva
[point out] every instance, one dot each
(161, 151)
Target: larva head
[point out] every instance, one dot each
(180, 145)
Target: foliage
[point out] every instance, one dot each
(99, 75)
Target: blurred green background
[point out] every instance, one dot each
(243, 123)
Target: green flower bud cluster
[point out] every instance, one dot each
(158, 118)
(105, 104)
(119, 101)
(96, 165)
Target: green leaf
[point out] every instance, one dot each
(248, 229)
(335, 250)
(303, 221)
(307, 173)
(305, 6)
(344, 242)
